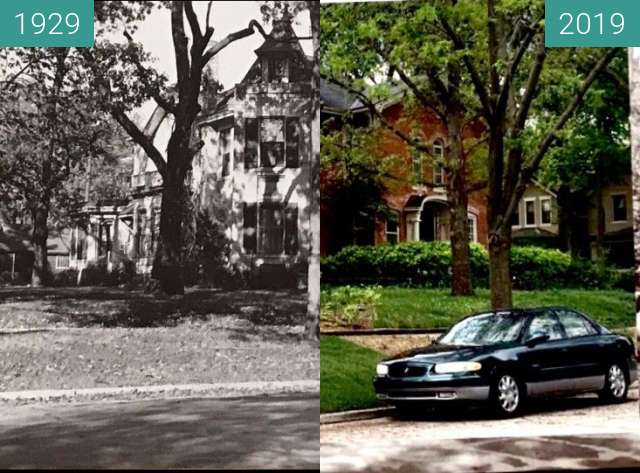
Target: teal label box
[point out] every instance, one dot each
(46, 23)
(592, 23)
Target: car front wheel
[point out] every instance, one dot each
(507, 395)
(616, 384)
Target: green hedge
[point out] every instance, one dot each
(427, 264)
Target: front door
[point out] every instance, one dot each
(428, 224)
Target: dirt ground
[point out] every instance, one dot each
(392, 344)
(108, 338)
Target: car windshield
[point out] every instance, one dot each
(485, 329)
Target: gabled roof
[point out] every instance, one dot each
(338, 99)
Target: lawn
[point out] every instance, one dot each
(98, 337)
(346, 373)
(435, 308)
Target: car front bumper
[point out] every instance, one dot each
(471, 388)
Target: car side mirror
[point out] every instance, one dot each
(536, 339)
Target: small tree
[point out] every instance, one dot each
(49, 129)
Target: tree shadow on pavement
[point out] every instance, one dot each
(261, 432)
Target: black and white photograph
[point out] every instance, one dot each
(160, 241)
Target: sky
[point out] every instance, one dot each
(233, 62)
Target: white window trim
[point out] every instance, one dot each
(438, 169)
(58, 266)
(474, 220)
(542, 224)
(535, 212)
(396, 233)
(626, 204)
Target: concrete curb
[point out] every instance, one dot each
(383, 331)
(351, 416)
(217, 390)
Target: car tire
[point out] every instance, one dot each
(507, 395)
(616, 384)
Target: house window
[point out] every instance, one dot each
(416, 164)
(472, 223)
(545, 211)
(62, 261)
(272, 142)
(392, 229)
(225, 150)
(529, 212)
(438, 158)
(619, 202)
(270, 228)
(277, 70)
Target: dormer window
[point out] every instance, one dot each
(278, 70)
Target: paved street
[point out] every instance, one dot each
(563, 433)
(256, 432)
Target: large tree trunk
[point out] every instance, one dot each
(634, 89)
(458, 197)
(600, 218)
(500, 270)
(167, 265)
(312, 328)
(460, 254)
(40, 271)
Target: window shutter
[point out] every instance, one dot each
(249, 227)
(251, 130)
(291, 230)
(293, 141)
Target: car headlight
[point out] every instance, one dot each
(382, 370)
(457, 367)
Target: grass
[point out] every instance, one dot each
(345, 375)
(435, 308)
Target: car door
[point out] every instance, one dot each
(547, 369)
(586, 350)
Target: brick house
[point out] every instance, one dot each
(418, 206)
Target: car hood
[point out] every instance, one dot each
(440, 353)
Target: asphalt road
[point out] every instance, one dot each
(256, 432)
(563, 433)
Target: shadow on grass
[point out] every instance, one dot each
(114, 307)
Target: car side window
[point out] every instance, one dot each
(575, 325)
(545, 323)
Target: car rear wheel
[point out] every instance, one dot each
(616, 384)
(507, 395)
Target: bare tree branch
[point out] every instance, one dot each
(232, 37)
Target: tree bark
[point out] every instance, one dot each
(167, 264)
(634, 91)
(600, 218)
(40, 271)
(500, 270)
(312, 326)
(458, 197)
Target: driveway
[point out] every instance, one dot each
(256, 432)
(575, 432)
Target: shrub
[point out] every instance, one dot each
(427, 264)
(68, 277)
(97, 273)
(414, 263)
(349, 306)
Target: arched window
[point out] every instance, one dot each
(438, 158)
